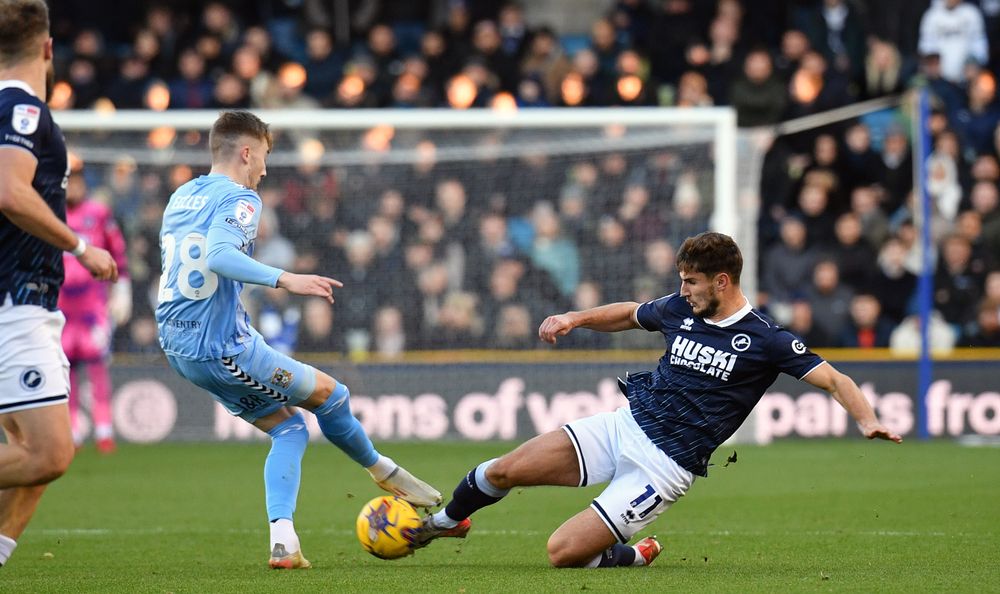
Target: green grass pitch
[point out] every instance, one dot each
(811, 516)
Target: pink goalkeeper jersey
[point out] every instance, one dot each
(83, 298)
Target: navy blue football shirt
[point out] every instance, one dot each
(710, 377)
(31, 270)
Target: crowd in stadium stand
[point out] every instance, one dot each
(451, 266)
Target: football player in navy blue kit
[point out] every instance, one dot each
(34, 372)
(721, 356)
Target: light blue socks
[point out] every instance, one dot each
(343, 430)
(283, 467)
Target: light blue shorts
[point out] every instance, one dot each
(252, 384)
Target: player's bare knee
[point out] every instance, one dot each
(52, 463)
(561, 553)
(324, 386)
(500, 474)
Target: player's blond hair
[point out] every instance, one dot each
(24, 25)
(228, 129)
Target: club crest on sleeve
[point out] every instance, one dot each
(282, 377)
(244, 212)
(25, 118)
(798, 347)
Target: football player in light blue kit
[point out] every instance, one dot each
(206, 242)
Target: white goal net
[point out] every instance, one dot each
(449, 229)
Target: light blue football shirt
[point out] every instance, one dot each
(200, 315)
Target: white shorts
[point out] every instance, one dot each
(644, 480)
(34, 372)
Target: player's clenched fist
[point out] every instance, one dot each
(555, 326)
(309, 284)
(99, 263)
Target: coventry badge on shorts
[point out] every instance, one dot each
(32, 379)
(282, 378)
(244, 212)
(25, 118)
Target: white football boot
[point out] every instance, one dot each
(404, 485)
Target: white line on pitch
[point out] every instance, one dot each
(88, 532)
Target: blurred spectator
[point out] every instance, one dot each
(248, 67)
(271, 247)
(905, 339)
(969, 226)
(794, 45)
(985, 200)
(893, 285)
(692, 91)
(643, 221)
(514, 33)
(319, 334)
(278, 319)
(977, 121)
(487, 46)
(897, 170)
(986, 331)
(513, 328)
(459, 324)
(588, 294)
(611, 257)
(355, 308)
(285, 91)
(553, 252)
(193, 88)
(957, 287)
(604, 44)
(687, 218)
(143, 338)
(827, 295)
(672, 28)
(493, 245)
(230, 93)
(128, 91)
(835, 29)
(955, 31)
(324, 65)
(787, 266)
(432, 283)
(759, 96)
(884, 73)
(861, 164)
(801, 323)
(546, 62)
(815, 87)
(658, 273)
(817, 215)
(874, 223)
(866, 327)
(852, 252)
(82, 76)
(389, 332)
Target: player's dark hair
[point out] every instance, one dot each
(711, 253)
(231, 125)
(22, 24)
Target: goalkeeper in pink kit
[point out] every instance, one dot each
(92, 309)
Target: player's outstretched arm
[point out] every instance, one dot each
(24, 207)
(847, 393)
(613, 317)
(309, 284)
